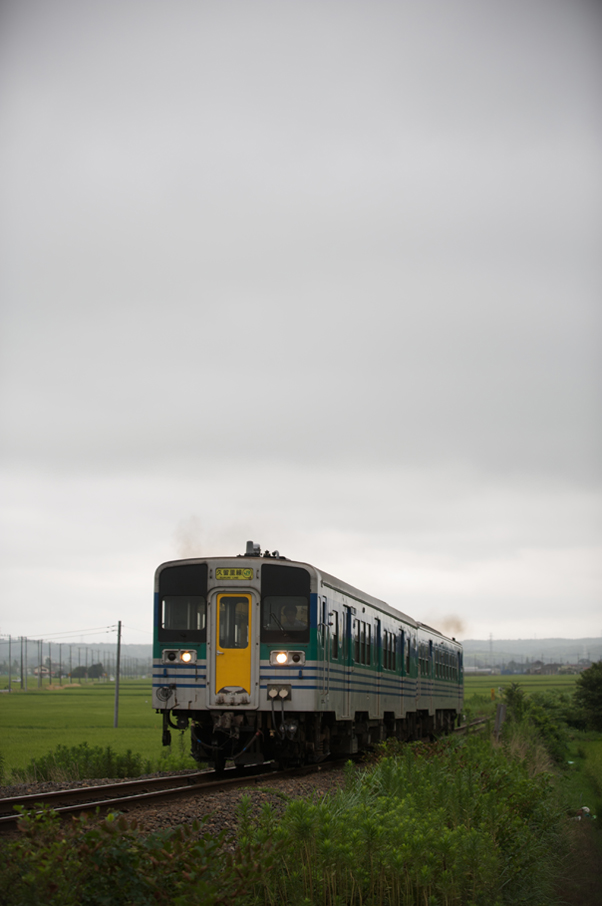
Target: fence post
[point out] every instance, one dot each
(500, 716)
(117, 673)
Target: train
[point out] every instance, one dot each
(268, 659)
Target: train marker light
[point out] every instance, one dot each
(186, 656)
(287, 658)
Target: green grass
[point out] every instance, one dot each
(36, 722)
(482, 685)
(582, 782)
(483, 693)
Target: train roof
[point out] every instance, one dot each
(327, 580)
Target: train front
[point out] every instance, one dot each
(231, 659)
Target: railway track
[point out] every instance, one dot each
(142, 792)
(125, 794)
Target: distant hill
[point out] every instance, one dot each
(478, 652)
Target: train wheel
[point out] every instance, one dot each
(219, 761)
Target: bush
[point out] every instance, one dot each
(111, 863)
(454, 823)
(588, 696)
(542, 715)
(83, 763)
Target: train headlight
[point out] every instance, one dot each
(287, 658)
(183, 655)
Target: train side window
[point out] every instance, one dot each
(393, 641)
(368, 644)
(389, 651)
(356, 641)
(408, 655)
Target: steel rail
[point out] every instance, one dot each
(145, 795)
(156, 789)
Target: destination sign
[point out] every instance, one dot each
(234, 572)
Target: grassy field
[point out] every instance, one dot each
(36, 722)
(482, 685)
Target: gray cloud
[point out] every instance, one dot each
(326, 265)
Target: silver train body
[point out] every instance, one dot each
(266, 658)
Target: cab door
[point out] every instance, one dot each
(234, 680)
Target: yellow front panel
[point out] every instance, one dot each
(233, 637)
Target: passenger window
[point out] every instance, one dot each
(356, 641)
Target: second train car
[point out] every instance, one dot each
(266, 658)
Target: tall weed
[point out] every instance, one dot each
(111, 862)
(83, 762)
(454, 824)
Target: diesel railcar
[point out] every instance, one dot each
(266, 658)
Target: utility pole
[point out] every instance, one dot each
(10, 672)
(117, 673)
(25, 674)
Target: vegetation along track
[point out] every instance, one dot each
(148, 791)
(152, 790)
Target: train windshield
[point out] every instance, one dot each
(182, 607)
(184, 612)
(283, 616)
(285, 592)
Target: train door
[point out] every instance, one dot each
(234, 681)
(431, 669)
(347, 661)
(324, 637)
(419, 669)
(378, 662)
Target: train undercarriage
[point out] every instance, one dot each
(294, 738)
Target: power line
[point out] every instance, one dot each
(99, 630)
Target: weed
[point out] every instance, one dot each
(83, 762)
(112, 862)
(454, 823)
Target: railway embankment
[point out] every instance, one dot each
(482, 818)
(458, 821)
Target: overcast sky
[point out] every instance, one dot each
(323, 275)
